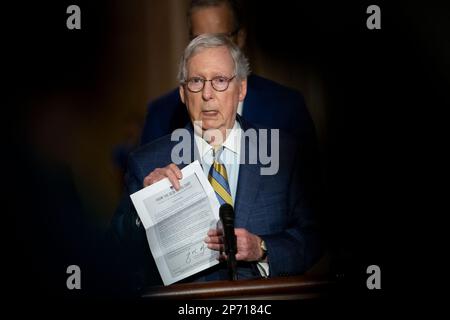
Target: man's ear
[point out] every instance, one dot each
(243, 90)
(181, 90)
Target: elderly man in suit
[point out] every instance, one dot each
(275, 226)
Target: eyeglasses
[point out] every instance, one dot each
(220, 83)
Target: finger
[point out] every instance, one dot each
(216, 247)
(173, 179)
(240, 256)
(153, 177)
(176, 170)
(215, 232)
(214, 240)
(147, 180)
(240, 232)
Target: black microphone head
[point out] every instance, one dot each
(226, 213)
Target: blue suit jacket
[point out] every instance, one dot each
(267, 103)
(274, 207)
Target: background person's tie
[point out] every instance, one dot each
(219, 180)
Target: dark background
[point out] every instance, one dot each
(383, 90)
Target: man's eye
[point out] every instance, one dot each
(221, 79)
(196, 80)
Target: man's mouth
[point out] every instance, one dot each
(210, 113)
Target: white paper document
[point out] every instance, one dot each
(177, 222)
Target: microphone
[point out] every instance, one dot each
(226, 214)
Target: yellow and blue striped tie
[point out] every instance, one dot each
(219, 180)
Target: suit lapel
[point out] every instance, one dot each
(248, 183)
(194, 155)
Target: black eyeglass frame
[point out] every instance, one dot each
(228, 80)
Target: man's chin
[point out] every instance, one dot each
(212, 133)
(209, 124)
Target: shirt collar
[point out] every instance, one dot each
(232, 143)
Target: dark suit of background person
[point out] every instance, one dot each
(275, 207)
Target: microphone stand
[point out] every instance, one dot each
(231, 264)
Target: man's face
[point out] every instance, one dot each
(215, 19)
(215, 110)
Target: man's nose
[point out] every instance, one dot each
(207, 91)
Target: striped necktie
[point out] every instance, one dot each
(219, 180)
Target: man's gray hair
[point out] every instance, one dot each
(204, 41)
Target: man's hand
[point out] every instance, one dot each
(248, 244)
(171, 171)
